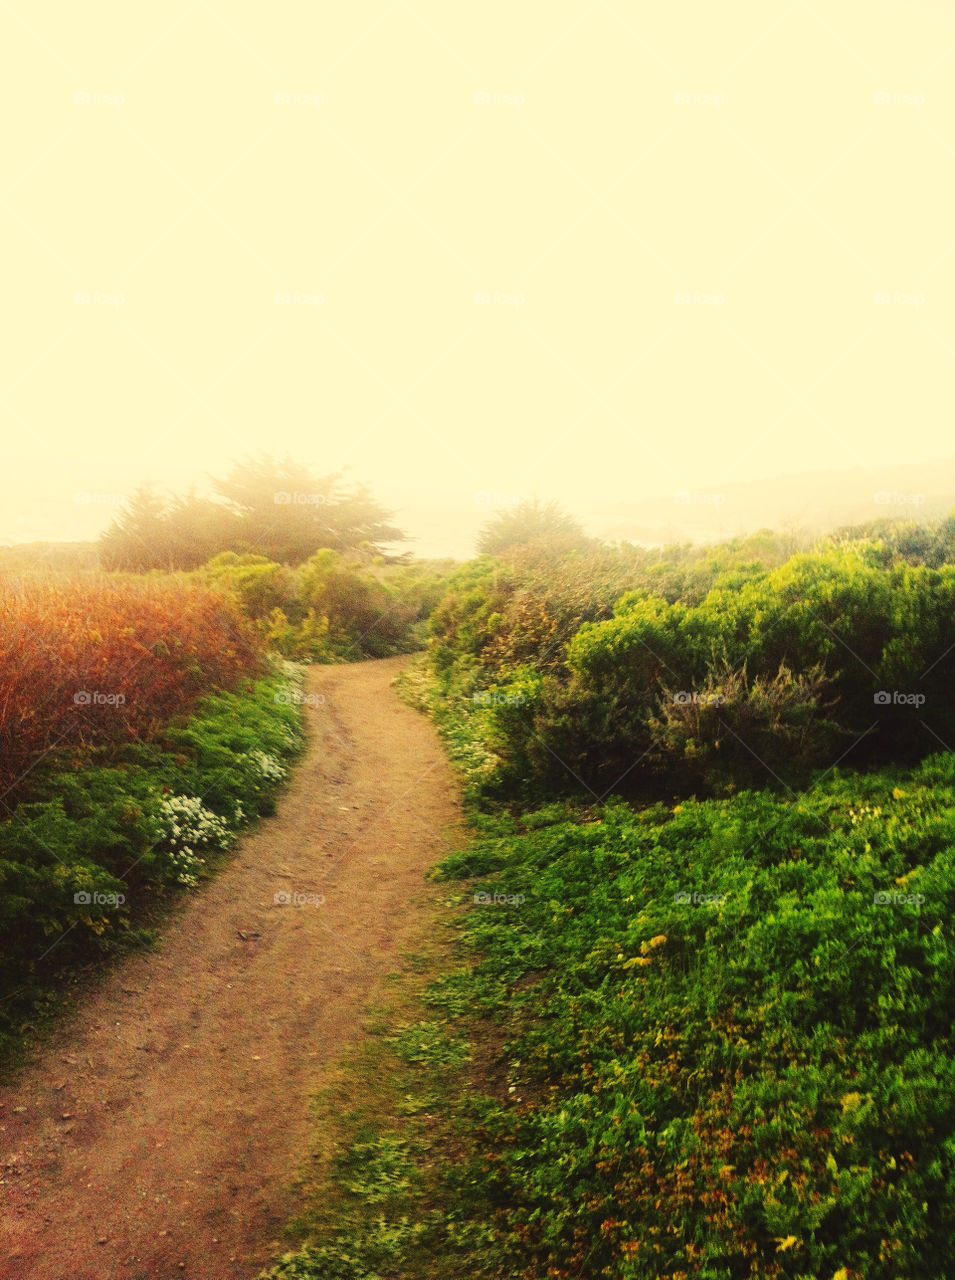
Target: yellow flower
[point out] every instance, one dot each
(658, 941)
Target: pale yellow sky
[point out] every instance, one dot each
(717, 244)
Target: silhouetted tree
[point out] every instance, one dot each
(527, 522)
(277, 509)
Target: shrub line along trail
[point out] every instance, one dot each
(165, 1121)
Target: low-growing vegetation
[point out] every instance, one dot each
(721, 959)
(729, 1030)
(106, 833)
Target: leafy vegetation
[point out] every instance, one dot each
(97, 660)
(333, 607)
(107, 832)
(729, 1025)
(603, 673)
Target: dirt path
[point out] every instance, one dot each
(164, 1124)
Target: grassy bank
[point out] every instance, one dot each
(107, 835)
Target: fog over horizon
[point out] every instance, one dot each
(602, 261)
(447, 523)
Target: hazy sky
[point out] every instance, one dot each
(717, 243)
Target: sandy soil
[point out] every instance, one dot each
(159, 1134)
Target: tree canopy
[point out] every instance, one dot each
(271, 507)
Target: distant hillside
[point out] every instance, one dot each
(813, 503)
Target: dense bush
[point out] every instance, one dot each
(334, 607)
(525, 603)
(771, 672)
(98, 659)
(931, 543)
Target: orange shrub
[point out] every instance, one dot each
(92, 660)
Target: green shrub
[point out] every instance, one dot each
(772, 672)
(334, 607)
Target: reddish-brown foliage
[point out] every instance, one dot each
(101, 659)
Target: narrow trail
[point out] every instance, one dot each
(159, 1134)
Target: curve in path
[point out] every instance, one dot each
(159, 1133)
